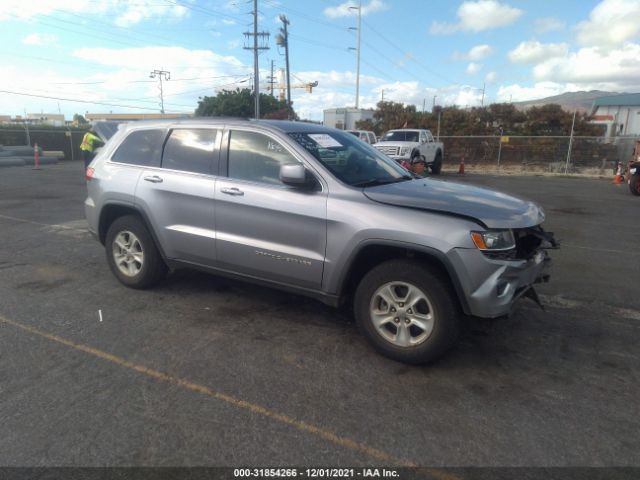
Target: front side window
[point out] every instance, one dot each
(141, 147)
(353, 162)
(190, 150)
(256, 157)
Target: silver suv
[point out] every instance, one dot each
(315, 211)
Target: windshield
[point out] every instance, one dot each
(400, 136)
(353, 162)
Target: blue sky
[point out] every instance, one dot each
(103, 50)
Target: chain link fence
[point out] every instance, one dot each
(481, 154)
(64, 142)
(559, 155)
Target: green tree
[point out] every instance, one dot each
(79, 119)
(240, 103)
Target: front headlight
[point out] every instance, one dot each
(404, 151)
(494, 239)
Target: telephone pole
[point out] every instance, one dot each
(272, 81)
(161, 74)
(283, 40)
(482, 101)
(256, 49)
(359, 28)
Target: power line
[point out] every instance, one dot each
(78, 101)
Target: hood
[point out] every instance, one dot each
(396, 143)
(492, 209)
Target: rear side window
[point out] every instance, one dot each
(141, 147)
(256, 157)
(190, 150)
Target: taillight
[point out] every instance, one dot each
(88, 174)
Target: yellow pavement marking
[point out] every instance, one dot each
(252, 407)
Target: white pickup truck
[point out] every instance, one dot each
(412, 146)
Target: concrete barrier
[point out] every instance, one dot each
(12, 162)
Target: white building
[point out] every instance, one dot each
(620, 114)
(345, 118)
(55, 119)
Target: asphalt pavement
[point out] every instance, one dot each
(204, 371)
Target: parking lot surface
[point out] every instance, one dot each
(207, 371)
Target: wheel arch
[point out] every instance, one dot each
(114, 210)
(372, 253)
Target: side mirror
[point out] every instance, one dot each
(293, 174)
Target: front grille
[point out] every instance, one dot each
(388, 150)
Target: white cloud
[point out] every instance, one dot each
(593, 66)
(491, 77)
(228, 21)
(518, 93)
(478, 52)
(610, 24)
(533, 51)
(350, 8)
(473, 68)
(127, 13)
(548, 24)
(478, 16)
(39, 39)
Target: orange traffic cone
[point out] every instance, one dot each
(36, 157)
(617, 179)
(461, 167)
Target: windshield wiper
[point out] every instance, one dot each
(377, 181)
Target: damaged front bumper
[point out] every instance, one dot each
(491, 286)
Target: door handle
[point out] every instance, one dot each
(153, 179)
(232, 191)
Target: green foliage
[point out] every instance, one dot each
(495, 119)
(79, 119)
(240, 103)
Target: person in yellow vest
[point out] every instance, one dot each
(90, 142)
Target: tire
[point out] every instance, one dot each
(634, 184)
(132, 254)
(401, 337)
(436, 166)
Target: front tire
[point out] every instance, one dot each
(407, 311)
(132, 254)
(634, 184)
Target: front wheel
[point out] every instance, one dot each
(634, 183)
(407, 311)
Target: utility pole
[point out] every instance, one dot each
(161, 74)
(482, 101)
(382, 96)
(283, 40)
(359, 28)
(256, 50)
(424, 102)
(433, 106)
(272, 80)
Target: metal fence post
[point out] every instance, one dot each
(71, 143)
(566, 167)
(499, 151)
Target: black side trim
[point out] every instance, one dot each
(435, 254)
(145, 219)
(326, 298)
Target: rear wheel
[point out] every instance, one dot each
(436, 166)
(407, 311)
(634, 183)
(132, 254)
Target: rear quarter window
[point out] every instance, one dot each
(140, 147)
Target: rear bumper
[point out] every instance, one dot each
(491, 287)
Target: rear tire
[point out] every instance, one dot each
(132, 254)
(436, 166)
(407, 311)
(634, 184)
